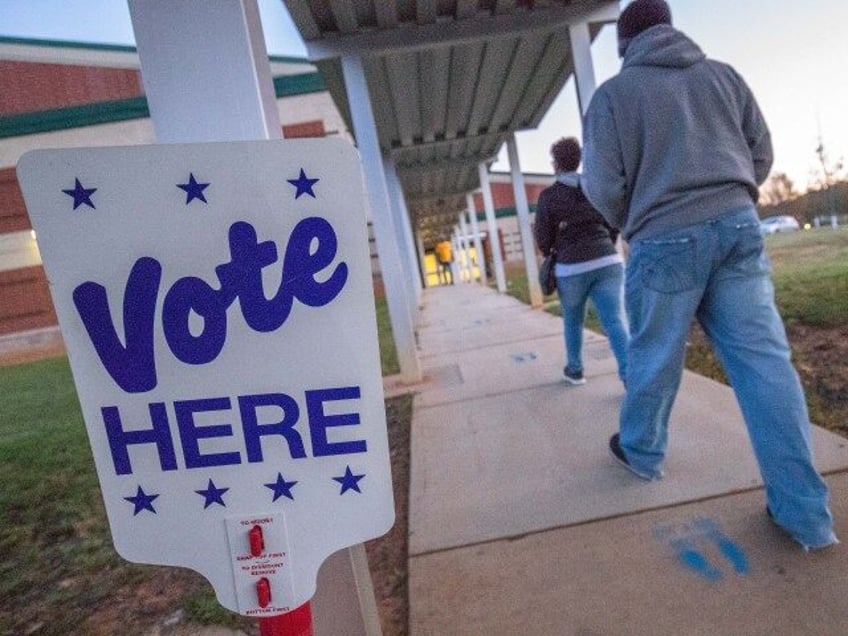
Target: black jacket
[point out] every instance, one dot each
(583, 233)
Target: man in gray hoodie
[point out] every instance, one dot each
(675, 147)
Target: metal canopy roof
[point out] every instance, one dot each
(449, 81)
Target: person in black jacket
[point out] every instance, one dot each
(587, 263)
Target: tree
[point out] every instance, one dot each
(778, 189)
(830, 173)
(830, 170)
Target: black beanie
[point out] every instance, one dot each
(638, 16)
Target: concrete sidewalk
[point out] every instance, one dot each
(29, 346)
(520, 523)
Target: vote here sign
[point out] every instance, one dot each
(216, 303)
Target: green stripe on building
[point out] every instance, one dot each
(126, 109)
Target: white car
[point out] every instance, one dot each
(775, 224)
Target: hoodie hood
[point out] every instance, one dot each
(662, 45)
(569, 178)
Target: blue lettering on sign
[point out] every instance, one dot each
(312, 247)
(254, 431)
(191, 434)
(315, 405)
(119, 439)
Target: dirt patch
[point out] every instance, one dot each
(139, 608)
(820, 355)
(387, 556)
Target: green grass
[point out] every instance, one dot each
(57, 561)
(810, 273)
(811, 276)
(388, 353)
(55, 548)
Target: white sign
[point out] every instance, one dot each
(216, 303)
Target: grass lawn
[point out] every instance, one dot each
(810, 273)
(811, 276)
(59, 574)
(56, 557)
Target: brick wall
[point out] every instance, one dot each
(313, 128)
(13, 214)
(32, 87)
(25, 301)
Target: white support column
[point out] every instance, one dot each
(391, 267)
(478, 244)
(422, 258)
(344, 602)
(205, 70)
(492, 226)
(207, 78)
(416, 258)
(404, 227)
(466, 247)
(584, 75)
(528, 245)
(392, 187)
(456, 266)
(584, 71)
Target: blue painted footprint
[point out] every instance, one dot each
(694, 560)
(689, 541)
(729, 550)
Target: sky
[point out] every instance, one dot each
(794, 55)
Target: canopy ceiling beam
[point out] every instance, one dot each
(444, 164)
(417, 37)
(497, 137)
(436, 197)
(344, 13)
(387, 17)
(466, 9)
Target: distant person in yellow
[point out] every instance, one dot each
(444, 254)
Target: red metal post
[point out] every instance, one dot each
(298, 622)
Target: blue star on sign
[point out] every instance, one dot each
(81, 195)
(212, 495)
(281, 488)
(142, 501)
(303, 185)
(193, 189)
(349, 481)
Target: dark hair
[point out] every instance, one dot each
(566, 154)
(640, 16)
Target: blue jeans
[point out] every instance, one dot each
(718, 272)
(604, 287)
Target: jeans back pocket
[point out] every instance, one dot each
(667, 265)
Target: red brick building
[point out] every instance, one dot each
(75, 95)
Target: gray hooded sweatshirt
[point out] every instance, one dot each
(674, 139)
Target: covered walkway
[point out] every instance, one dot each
(520, 523)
